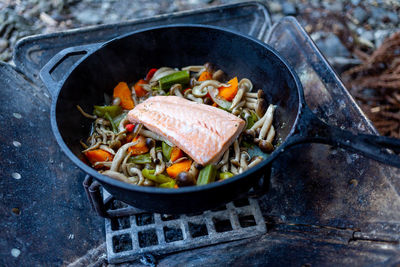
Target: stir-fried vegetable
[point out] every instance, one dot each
(124, 93)
(140, 159)
(205, 75)
(98, 155)
(100, 111)
(228, 93)
(127, 151)
(140, 147)
(180, 77)
(207, 175)
(176, 153)
(176, 168)
(159, 178)
(166, 150)
(139, 89)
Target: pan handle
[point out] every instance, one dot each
(310, 129)
(53, 85)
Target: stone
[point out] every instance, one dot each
(380, 36)
(89, 17)
(368, 35)
(360, 14)
(393, 17)
(274, 7)
(331, 46)
(355, 2)
(3, 44)
(289, 9)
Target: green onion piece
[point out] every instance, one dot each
(207, 175)
(140, 159)
(119, 118)
(108, 117)
(225, 175)
(181, 77)
(159, 178)
(168, 184)
(100, 111)
(166, 150)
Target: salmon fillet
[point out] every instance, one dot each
(201, 131)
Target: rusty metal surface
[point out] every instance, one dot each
(324, 206)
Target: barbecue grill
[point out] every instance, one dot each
(330, 207)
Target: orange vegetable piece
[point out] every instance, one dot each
(228, 93)
(124, 93)
(205, 75)
(176, 153)
(179, 167)
(98, 155)
(139, 89)
(140, 147)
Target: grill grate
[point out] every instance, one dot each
(130, 236)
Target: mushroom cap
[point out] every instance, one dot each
(219, 75)
(260, 94)
(261, 107)
(265, 146)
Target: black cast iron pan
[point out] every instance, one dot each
(129, 57)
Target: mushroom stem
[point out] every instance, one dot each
(260, 94)
(225, 158)
(268, 121)
(176, 90)
(271, 134)
(255, 161)
(117, 175)
(120, 155)
(234, 170)
(236, 148)
(250, 100)
(153, 154)
(237, 98)
(192, 97)
(150, 134)
(236, 111)
(161, 166)
(244, 158)
(193, 171)
(138, 172)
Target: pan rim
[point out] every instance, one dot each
(182, 190)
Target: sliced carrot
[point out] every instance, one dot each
(176, 153)
(228, 93)
(98, 155)
(179, 167)
(215, 104)
(139, 89)
(124, 93)
(140, 147)
(205, 75)
(176, 186)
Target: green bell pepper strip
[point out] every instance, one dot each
(225, 175)
(181, 77)
(166, 150)
(159, 178)
(119, 118)
(207, 175)
(251, 120)
(100, 111)
(108, 117)
(140, 159)
(168, 184)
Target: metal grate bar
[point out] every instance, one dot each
(131, 235)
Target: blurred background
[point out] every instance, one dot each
(360, 38)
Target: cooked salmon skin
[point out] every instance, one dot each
(201, 131)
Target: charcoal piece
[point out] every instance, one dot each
(247, 221)
(120, 223)
(222, 225)
(197, 230)
(172, 234)
(122, 243)
(144, 219)
(147, 238)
